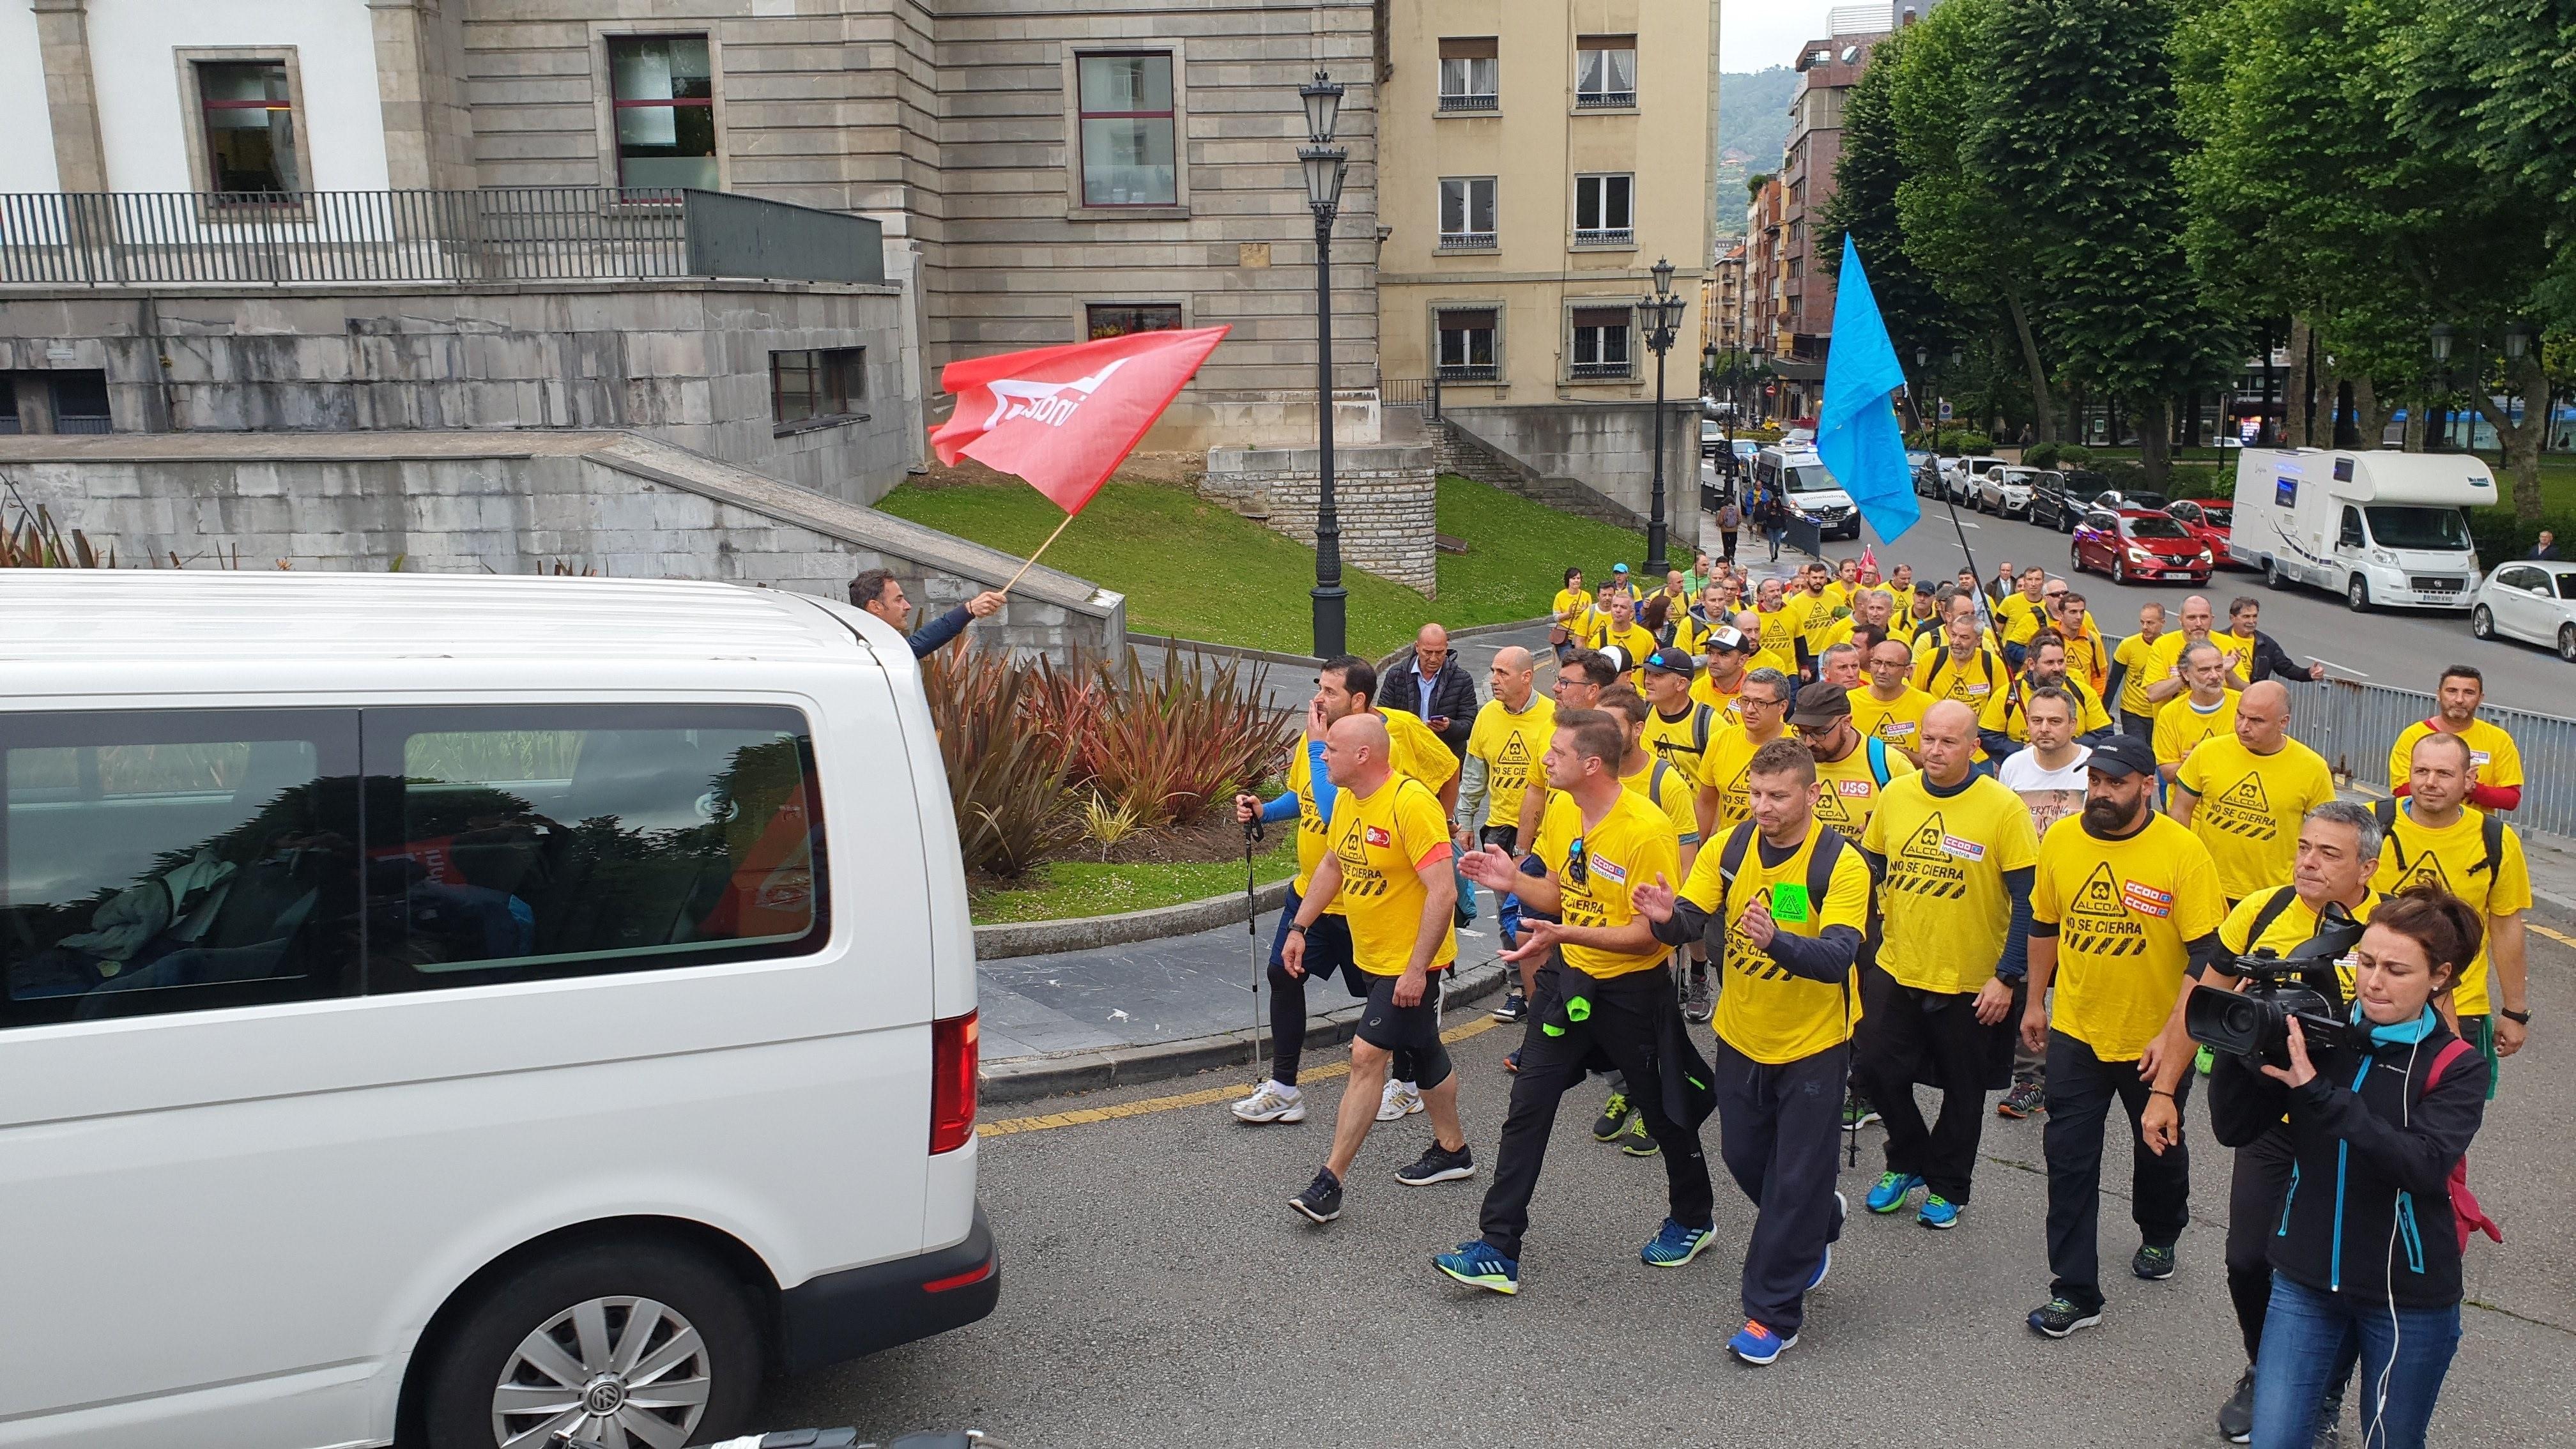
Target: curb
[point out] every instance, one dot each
(1082, 933)
(1026, 1079)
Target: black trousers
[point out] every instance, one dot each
(1623, 1024)
(1328, 948)
(1726, 540)
(2141, 725)
(1780, 1130)
(2081, 1088)
(2253, 1215)
(1907, 1035)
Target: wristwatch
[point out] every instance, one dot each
(2518, 1018)
(1296, 927)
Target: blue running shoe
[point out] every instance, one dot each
(1757, 1345)
(1676, 1245)
(1892, 1190)
(1478, 1265)
(1937, 1212)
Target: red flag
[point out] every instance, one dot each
(1063, 417)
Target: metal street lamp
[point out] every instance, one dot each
(1325, 165)
(1663, 317)
(2442, 335)
(2517, 341)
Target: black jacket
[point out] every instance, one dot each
(2271, 661)
(1453, 694)
(2373, 1165)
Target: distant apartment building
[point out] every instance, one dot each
(1827, 70)
(1722, 304)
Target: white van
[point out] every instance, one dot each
(461, 1008)
(1808, 489)
(2379, 527)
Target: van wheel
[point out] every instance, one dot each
(621, 1341)
(2356, 593)
(2272, 574)
(2481, 623)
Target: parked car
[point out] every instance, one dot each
(1712, 437)
(2006, 492)
(1959, 477)
(2529, 601)
(1926, 468)
(2062, 504)
(355, 920)
(1801, 436)
(2149, 500)
(2138, 544)
(1746, 450)
(2206, 521)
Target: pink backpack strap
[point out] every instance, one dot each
(2466, 1215)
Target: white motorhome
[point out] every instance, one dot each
(2380, 527)
(467, 1009)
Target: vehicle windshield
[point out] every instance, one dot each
(2433, 528)
(2142, 500)
(2566, 583)
(1708, 429)
(2154, 525)
(1812, 479)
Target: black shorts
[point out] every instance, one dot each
(1411, 1032)
(1328, 945)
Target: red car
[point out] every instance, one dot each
(2138, 544)
(2206, 522)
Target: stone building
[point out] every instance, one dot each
(1827, 70)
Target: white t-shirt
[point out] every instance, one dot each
(2052, 795)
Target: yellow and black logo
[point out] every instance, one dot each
(2100, 896)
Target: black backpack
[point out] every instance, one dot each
(2490, 837)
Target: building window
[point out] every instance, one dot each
(250, 127)
(664, 95)
(1601, 343)
(1129, 157)
(1118, 319)
(1604, 210)
(1605, 71)
(1467, 346)
(824, 385)
(80, 401)
(1467, 214)
(1469, 73)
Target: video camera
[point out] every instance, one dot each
(2255, 1022)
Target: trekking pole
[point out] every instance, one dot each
(1252, 934)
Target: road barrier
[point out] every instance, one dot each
(2353, 725)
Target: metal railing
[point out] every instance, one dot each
(1602, 371)
(1604, 100)
(496, 234)
(1605, 236)
(1468, 241)
(2353, 725)
(1489, 101)
(1419, 393)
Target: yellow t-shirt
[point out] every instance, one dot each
(1689, 634)
(2021, 618)
(1943, 677)
(2182, 726)
(2087, 660)
(1725, 767)
(2007, 709)
(2290, 929)
(1382, 843)
(1636, 640)
(2238, 653)
(1847, 790)
(1706, 690)
(2250, 808)
(1946, 913)
(2137, 655)
(1838, 593)
(1765, 659)
(2450, 859)
(1674, 795)
(2491, 750)
(1683, 741)
(1573, 609)
(1904, 601)
(1511, 746)
(1780, 631)
(1415, 751)
(1816, 620)
(2126, 912)
(1763, 1011)
(1900, 723)
(1632, 845)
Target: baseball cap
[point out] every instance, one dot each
(2123, 755)
(1729, 640)
(1618, 568)
(1819, 705)
(1620, 663)
(1670, 660)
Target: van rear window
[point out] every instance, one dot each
(506, 843)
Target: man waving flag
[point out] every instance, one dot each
(1856, 431)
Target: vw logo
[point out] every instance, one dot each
(605, 1396)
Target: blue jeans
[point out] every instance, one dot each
(2403, 1357)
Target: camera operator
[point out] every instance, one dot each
(2338, 848)
(2367, 1244)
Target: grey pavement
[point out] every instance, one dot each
(1157, 1290)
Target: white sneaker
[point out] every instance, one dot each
(1266, 1105)
(1397, 1101)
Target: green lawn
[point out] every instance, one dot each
(1060, 889)
(1195, 569)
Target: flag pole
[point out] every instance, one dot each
(1042, 548)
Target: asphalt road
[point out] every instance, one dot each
(1157, 1290)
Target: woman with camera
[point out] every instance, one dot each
(2368, 1245)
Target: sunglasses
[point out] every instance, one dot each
(1578, 870)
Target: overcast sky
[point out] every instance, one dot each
(1753, 34)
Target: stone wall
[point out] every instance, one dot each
(684, 360)
(1606, 447)
(614, 503)
(1461, 452)
(1387, 498)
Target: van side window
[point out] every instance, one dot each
(174, 861)
(2352, 537)
(508, 844)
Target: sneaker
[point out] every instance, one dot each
(1857, 1113)
(1396, 1100)
(1438, 1164)
(1757, 1345)
(2153, 1263)
(1614, 1115)
(1266, 1105)
(1842, 1211)
(1479, 1265)
(1635, 1142)
(1514, 1007)
(1891, 1192)
(2236, 1416)
(2057, 1318)
(1322, 1199)
(1676, 1245)
(1697, 1005)
(2204, 1061)
(2026, 1099)
(1937, 1212)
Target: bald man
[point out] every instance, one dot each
(2165, 679)
(2246, 794)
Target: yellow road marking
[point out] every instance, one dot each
(1010, 1126)
(2561, 937)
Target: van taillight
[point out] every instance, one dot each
(953, 1063)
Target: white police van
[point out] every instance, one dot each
(1804, 485)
